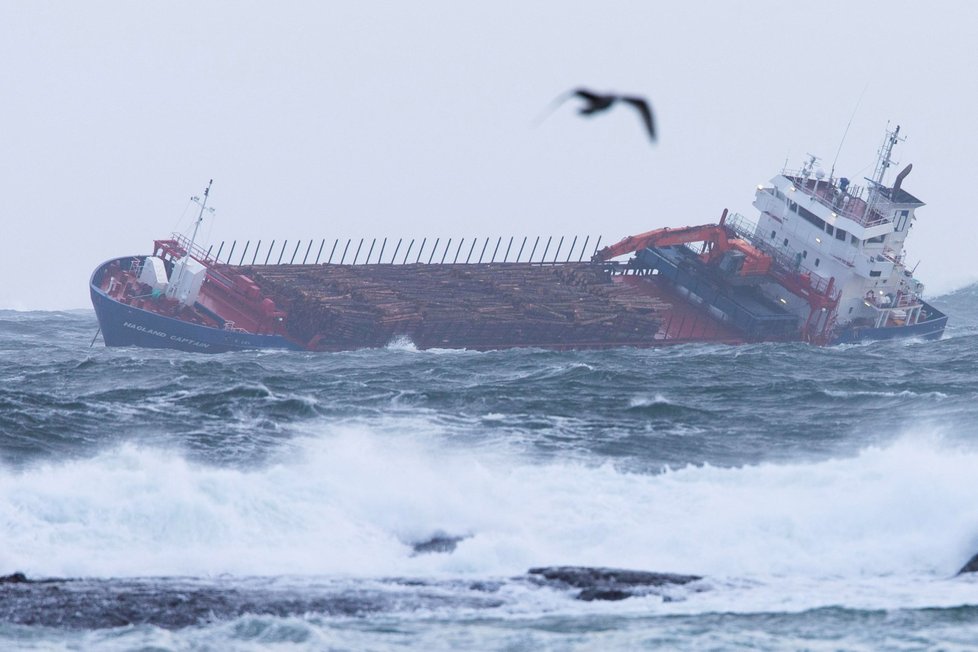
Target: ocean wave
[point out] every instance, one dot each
(347, 501)
(647, 401)
(905, 393)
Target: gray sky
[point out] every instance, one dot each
(352, 119)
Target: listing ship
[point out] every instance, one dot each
(823, 263)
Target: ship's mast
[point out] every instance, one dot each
(203, 207)
(885, 160)
(174, 284)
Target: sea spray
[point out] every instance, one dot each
(352, 501)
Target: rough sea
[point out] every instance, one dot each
(824, 498)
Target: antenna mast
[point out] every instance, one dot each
(886, 150)
(175, 281)
(200, 217)
(846, 132)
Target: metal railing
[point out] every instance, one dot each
(849, 204)
(788, 260)
(539, 250)
(196, 251)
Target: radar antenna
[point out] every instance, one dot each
(809, 166)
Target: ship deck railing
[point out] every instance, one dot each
(789, 262)
(892, 256)
(903, 300)
(849, 203)
(195, 250)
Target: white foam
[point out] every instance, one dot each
(906, 393)
(648, 401)
(402, 343)
(349, 500)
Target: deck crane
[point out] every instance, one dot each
(717, 244)
(725, 251)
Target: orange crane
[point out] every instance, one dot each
(822, 296)
(715, 238)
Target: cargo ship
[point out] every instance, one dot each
(823, 262)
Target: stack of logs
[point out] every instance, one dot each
(486, 306)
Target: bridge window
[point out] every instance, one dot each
(854, 241)
(829, 229)
(901, 222)
(810, 217)
(840, 235)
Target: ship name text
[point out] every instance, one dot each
(173, 338)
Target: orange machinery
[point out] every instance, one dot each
(716, 242)
(822, 297)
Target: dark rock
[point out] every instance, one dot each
(589, 595)
(14, 578)
(608, 583)
(970, 567)
(437, 543)
(585, 576)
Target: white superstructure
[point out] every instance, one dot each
(832, 229)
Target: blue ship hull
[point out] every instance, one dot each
(761, 321)
(124, 325)
(931, 328)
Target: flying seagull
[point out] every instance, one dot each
(596, 103)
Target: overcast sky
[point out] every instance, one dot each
(363, 119)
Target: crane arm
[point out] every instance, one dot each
(711, 233)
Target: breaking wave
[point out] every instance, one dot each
(351, 502)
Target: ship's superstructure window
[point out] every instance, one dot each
(877, 240)
(786, 242)
(901, 222)
(829, 229)
(817, 261)
(854, 240)
(807, 215)
(840, 235)
(773, 234)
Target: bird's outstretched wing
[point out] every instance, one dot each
(645, 112)
(595, 101)
(555, 104)
(590, 96)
